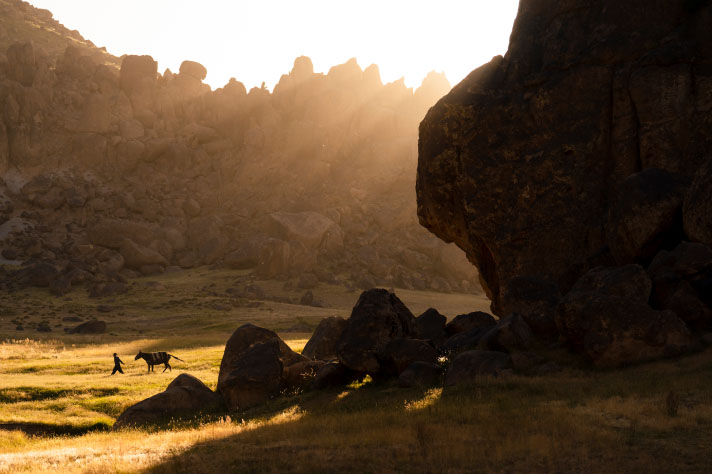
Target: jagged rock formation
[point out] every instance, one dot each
(586, 145)
(112, 172)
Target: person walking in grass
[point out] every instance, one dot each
(117, 365)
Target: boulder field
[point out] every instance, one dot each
(381, 339)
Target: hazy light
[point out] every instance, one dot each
(257, 41)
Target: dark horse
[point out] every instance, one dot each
(154, 358)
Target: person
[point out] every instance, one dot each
(117, 365)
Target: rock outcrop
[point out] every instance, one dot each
(523, 162)
(584, 150)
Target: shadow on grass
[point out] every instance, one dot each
(338, 405)
(578, 421)
(48, 429)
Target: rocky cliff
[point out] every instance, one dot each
(111, 169)
(527, 163)
(586, 145)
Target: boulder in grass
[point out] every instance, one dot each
(333, 374)
(431, 326)
(470, 366)
(401, 352)
(421, 374)
(253, 367)
(510, 334)
(185, 396)
(301, 375)
(606, 318)
(323, 343)
(378, 317)
(466, 322)
(94, 326)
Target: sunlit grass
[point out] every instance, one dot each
(574, 421)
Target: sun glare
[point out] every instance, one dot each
(258, 41)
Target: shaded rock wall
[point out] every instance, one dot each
(520, 164)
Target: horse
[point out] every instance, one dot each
(154, 358)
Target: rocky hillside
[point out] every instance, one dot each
(112, 172)
(586, 145)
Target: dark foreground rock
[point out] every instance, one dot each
(421, 374)
(606, 318)
(682, 283)
(253, 366)
(323, 343)
(378, 318)
(185, 396)
(521, 164)
(468, 367)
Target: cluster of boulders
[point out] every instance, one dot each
(381, 339)
(107, 172)
(576, 174)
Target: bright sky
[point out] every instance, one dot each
(258, 41)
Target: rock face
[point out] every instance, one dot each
(682, 283)
(253, 367)
(521, 163)
(378, 318)
(184, 396)
(323, 343)
(606, 317)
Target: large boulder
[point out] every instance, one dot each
(535, 299)
(136, 69)
(470, 366)
(644, 215)
(520, 162)
(697, 208)
(431, 326)
(94, 326)
(193, 69)
(510, 334)
(682, 283)
(469, 321)
(184, 396)
(421, 374)
(252, 367)
(137, 256)
(323, 343)
(606, 318)
(401, 352)
(378, 317)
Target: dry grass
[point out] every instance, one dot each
(575, 421)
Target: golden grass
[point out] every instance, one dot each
(575, 421)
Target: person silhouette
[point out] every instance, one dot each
(117, 365)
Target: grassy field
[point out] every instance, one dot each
(651, 418)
